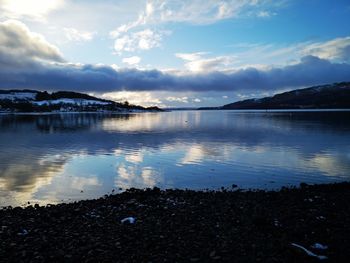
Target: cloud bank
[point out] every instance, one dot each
(89, 78)
(27, 60)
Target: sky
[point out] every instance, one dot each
(174, 53)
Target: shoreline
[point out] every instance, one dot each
(278, 109)
(184, 226)
(174, 109)
(77, 112)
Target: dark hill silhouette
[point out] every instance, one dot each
(332, 96)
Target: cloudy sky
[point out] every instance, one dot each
(174, 52)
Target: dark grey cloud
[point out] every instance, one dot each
(345, 53)
(27, 60)
(89, 78)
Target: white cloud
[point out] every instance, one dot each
(270, 55)
(265, 14)
(73, 34)
(194, 12)
(224, 10)
(190, 56)
(137, 98)
(335, 49)
(148, 39)
(143, 18)
(153, 98)
(178, 99)
(209, 64)
(196, 63)
(34, 9)
(141, 40)
(134, 60)
(115, 67)
(19, 46)
(157, 12)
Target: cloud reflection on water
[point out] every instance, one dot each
(47, 157)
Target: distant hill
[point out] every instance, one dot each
(61, 101)
(333, 96)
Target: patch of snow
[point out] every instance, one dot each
(40, 103)
(80, 102)
(18, 96)
(318, 89)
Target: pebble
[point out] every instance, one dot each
(198, 226)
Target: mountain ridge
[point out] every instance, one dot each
(329, 96)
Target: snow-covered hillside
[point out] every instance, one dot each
(18, 95)
(38, 101)
(81, 102)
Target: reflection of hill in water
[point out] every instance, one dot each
(172, 122)
(334, 121)
(59, 122)
(96, 132)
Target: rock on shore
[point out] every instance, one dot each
(184, 226)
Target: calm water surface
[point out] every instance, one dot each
(50, 158)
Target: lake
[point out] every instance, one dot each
(51, 158)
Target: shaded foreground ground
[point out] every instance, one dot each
(184, 226)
